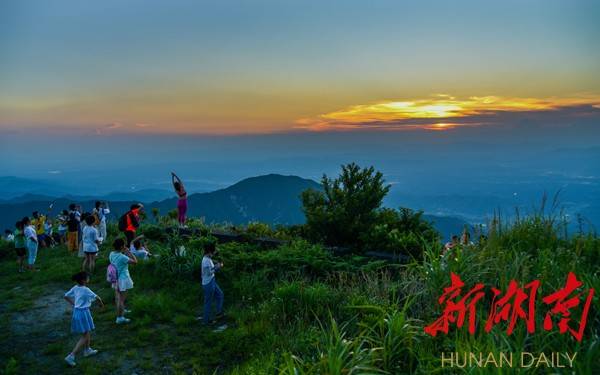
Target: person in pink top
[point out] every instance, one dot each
(182, 201)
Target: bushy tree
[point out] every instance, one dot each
(347, 207)
(348, 212)
(400, 231)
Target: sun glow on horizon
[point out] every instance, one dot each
(413, 114)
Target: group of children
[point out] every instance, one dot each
(85, 232)
(29, 235)
(36, 232)
(72, 223)
(81, 297)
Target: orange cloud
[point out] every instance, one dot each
(440, 112)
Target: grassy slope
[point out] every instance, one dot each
(146, 344)
(280, 303)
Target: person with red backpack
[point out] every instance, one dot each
(130, 222)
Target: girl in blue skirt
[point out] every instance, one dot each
(81, 298)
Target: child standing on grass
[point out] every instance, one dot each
(20, 244)
(81, 298)
(31, 242)
(120, 258)
(91, 240)
(209, 284)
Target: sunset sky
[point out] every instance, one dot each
(239, 67)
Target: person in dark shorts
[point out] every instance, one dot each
(20, 245)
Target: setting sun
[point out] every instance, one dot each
(403, 113)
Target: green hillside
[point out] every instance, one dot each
(296, 309)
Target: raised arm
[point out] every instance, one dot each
(132, 258)
(137, 238)
(176, 178)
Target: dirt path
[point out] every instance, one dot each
(41, 336)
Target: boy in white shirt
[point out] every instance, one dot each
(209, 284)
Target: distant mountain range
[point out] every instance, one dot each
(19, 190)
(273, 199)
(12, 187)
(144, 196)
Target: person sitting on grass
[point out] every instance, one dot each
(91, 240)
(20, 244)
(209, 284)
(31, 242)
(81, 298)
(121, 258)
(139, 248)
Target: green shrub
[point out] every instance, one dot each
(11, 368)
(347, 206)
(401, 231)
(256, 229)
(179, 257)
(153, 232)
(348, 212)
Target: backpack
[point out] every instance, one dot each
(96, 217)
(123, 222)
(111, 273)
(72, 222)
